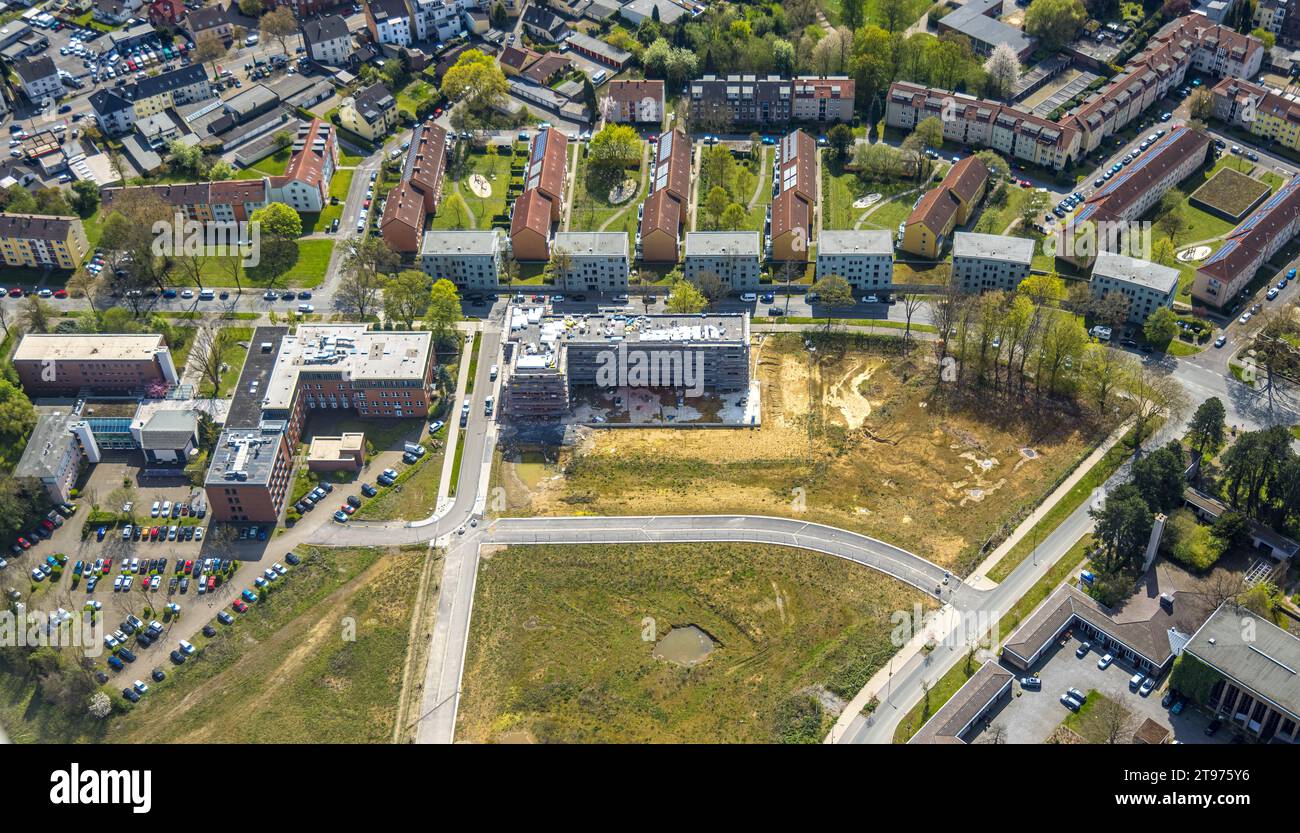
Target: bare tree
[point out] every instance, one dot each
(1116, 723)
(210, 344)
(911, 305)
(1151, 392)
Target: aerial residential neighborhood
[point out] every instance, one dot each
(651, 371)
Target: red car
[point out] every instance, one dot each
(239, 606)
(212, 583)
(60, 293)
(348, 508)
(153, 534)
(16, 292)
(189, 567)
(24, 543)
(108, 565)
(48, 524)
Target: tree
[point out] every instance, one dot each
(99, 706)
(443, 311)
(250, 8)
(35, 315)
(1055, 22)
(499, 17)
(840, 139)
(930, 131)
(834, 292)
(894, 14)
(281, 25)
(17, 417)
(208, 356)
(477, 80)
(406, 297)
(1161, 327)
(1115, 722)
(211, 50)
(853, 13)
(1159, 478)
(1201, 104)
(1164, 252)
(1171, 217)
(1032, 209)
(85, 197)
(1192, 543)
(912, 304)
(1149, 394)
(364, 268)
(1123, 525)
(1003, 67)
(732, 218)
(615, 147)
(684, 297)
(279, 221)
(1207, 428)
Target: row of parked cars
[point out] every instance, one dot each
(42, 530)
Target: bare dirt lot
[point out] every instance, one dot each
(853, 435)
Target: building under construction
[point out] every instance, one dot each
(549, 356)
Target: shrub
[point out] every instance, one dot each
(1191, 543)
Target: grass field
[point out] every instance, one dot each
(466, 210)
(560, 646)
(592, 210)
(341, 183)
(233, 356)
(287, 671)
(857, 433)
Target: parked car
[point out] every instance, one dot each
(1105, 661)
(1031, 683)
(1082, 650)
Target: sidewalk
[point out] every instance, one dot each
(453, 417)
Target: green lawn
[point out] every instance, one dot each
(341, 183)
(994, 219)
(461, 209)
(889, 215)
(232, 356)
(591, 206)
(410, 97)
(308, 272)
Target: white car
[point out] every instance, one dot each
(306, 309)
(1105, 661)
(153, 510)
(186, 648)
(1245, 316)
(749, 297)
(117, 583)
(94, 605)
(140, 687)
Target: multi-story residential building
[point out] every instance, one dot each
(327, 39)
(1148, 286)
(228, 201)
(794, 196)
(863, 258)
(942, 209)
(420, 191)
(730, 256)
(1259, 110)
(530, 226)
(470, 259)
(978, 122)
(1248, 247)
(65, 364)
(1251, 666)
(544, 24)
(1101, 223)
(983, 262)
(598, 260)
(166, 12)
(118, 110)
(1270, 15)
(214, 21)
(825, 99)
(440, 19)
(554, 361)
(38, 78)
(42, 241)
(305, 185)
(664, 212)
(371, 113)
(389, 21)
(287, 377)
(634, 102)
(771, 100)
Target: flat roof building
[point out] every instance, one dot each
(863, 258)
(1147, 286)
(599, 261)
(983, 262)
(469, 259)
(731, 256)
(68, 363)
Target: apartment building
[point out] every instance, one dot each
(470, 259)
(1148, 286)
(328, 40)
(1102, 220)
(542, 202)
(1253, 665)
(665, 210)
(770, 100)
(823, 99)
(213, 21)
(286, 378)
(731, 256)
(544, 24)
(371, 113)
(65, 364)
(634, 102)
(981, 123)
(1248, 247)
(863, 258)
(794, 196)
(929, 227)
(38, 78)
(1259, 110)
(439, 19)
(117, 111)
(229, 201)
(1270, 15)
(42, 241)
(305, 185)
(530, 226)
(599, 261)
(553, 358)
(420, 192)
(984, 262)
(389, 21)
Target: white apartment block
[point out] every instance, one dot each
(469, 259)
(863, 258)
(390, 21)
(984, 262)
(1148, 286)
(38, 78)
(732, 256)
(440, 19)
(598, 260)
(328, 40)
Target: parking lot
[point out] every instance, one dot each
(1031, 716)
